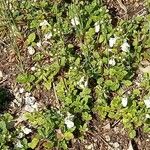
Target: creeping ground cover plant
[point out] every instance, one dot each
(92, 66)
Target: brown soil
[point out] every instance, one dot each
(133, 7)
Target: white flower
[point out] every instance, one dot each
(48, 36)
(112, 62)
(21, 90)
(109, 50)
(97, 27)
(26, 130)
(124, 101)
(147, 102)
(147, 116)
(44, 23)
(31, 50)
(33, 68)
(68, 121)
(82, 83)
(75, 21)
(86, 83)
(39, 44)
(125, 46)
(20, 135)
(112, 41)
(19, 145)
(137, 83)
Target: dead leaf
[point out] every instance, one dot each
(145, 70)
(130, 146)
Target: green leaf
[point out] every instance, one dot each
(132, 134)
(68, 136)
(33, 143)
(22, 78)
(101, 38)
(48, 145)
(86, 116)
(31, 38)
(112, 85)
(25, 78)
(3, 127)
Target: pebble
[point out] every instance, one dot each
(33, 68)
(89, 147)
(31, 50)
(116, 145)
(21, 90)
(116, 129)
(147, 140)
(107, 126)
(32, 108)
(107, 138)
(30, 100)
(1, 74)
(130, 146)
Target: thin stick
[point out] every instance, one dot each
(102, 139)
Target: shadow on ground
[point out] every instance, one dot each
(5, 98)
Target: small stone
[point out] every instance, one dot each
(28, 108)
(21, 90)
(107, 138)
(145, 70)
(116, 129)
(31, 50)
(1, 74)
(147, 140)
(27, 94)
(107, 126)
(33, 68)
(30, 100)
(116, 145)
(89, 147)
(130, 147)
